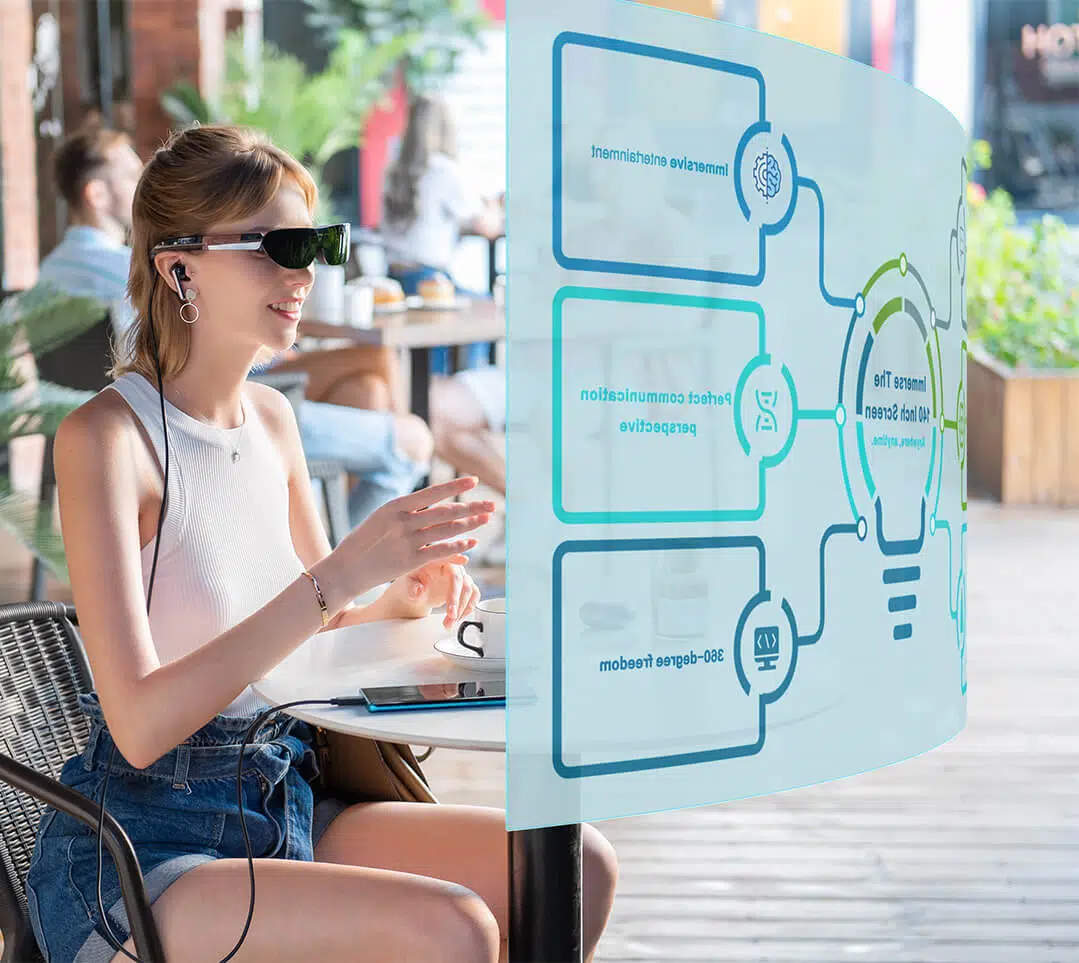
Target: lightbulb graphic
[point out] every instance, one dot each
(892, 429)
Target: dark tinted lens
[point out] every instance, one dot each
(293, 247)
(335, 243)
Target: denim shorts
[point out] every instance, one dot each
(178, 812)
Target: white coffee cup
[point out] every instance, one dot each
(359, 305)
(485, 632)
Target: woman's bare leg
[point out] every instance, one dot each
(465, 844)
(462, 436)
(319, 911)
(362, 365)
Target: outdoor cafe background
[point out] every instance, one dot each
(119, 57)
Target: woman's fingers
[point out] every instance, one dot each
(453, 594)
(445, 513)
(438, 533)
(464, 597)
(433, 494)
(440, 551)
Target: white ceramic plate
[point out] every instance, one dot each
(467, 659)
(394, 307)
(417, 303)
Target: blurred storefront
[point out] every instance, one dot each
(1027, 103)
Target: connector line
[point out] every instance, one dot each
(943, 525)
(831, 299)
(843, 529)
(815, 414)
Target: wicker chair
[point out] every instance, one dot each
(43, 670)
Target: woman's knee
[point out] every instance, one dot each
(414, 439)
(463, 928)
(599, 862)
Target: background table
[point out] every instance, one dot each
(419, 330)
(545, 864)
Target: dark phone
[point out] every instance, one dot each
(446, 695)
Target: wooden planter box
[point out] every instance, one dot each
(1022, 433)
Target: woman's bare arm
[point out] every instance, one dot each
(309, 536)
(149, 707)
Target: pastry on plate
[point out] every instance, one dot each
(437, 290)
(388, 293)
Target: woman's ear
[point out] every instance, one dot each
(164, 264)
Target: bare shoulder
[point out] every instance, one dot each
(276, 412)
(97, 427)
(273, 407)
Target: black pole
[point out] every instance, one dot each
(545, 895)
(104, 61)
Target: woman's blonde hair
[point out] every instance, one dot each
(430, 131)
(205, 175)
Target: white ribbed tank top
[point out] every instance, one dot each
(226, 548)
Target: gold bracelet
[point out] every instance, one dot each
(321, 599)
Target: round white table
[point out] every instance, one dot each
(545, 863)
(342, 661)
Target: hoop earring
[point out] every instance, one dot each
(189, 302)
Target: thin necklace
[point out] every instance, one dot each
(239, 433)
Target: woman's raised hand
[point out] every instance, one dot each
(409, 532)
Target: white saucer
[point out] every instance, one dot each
(391, 307)
(416, 303)
(467, 659)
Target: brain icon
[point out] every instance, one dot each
(767, 176)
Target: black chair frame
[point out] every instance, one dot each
(59, 621)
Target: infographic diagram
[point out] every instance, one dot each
(754, 497)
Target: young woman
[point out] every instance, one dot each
(244, 575)
(427, 205)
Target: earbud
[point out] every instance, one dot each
(180, 274)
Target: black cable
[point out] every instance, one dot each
(251, 730)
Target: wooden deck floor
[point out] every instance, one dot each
(969, 854)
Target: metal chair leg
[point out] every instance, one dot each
(334, 481)
(335, 497)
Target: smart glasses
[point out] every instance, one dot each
(290, 247)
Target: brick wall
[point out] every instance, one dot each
(164, 49)
(18, 194)
(173, 41)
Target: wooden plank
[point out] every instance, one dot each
(985, 428)
(1047, 440)
(1070, 484)
(1017, 470)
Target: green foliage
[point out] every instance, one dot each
(438, 31)
(312, 117)
(1022, 283)
(34, 322)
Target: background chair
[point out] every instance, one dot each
(331, 476)
(43, 670)
(83, 364)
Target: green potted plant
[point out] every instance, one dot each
(1023, 365)
(313, 117)
(32, 323)
(436, 31)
